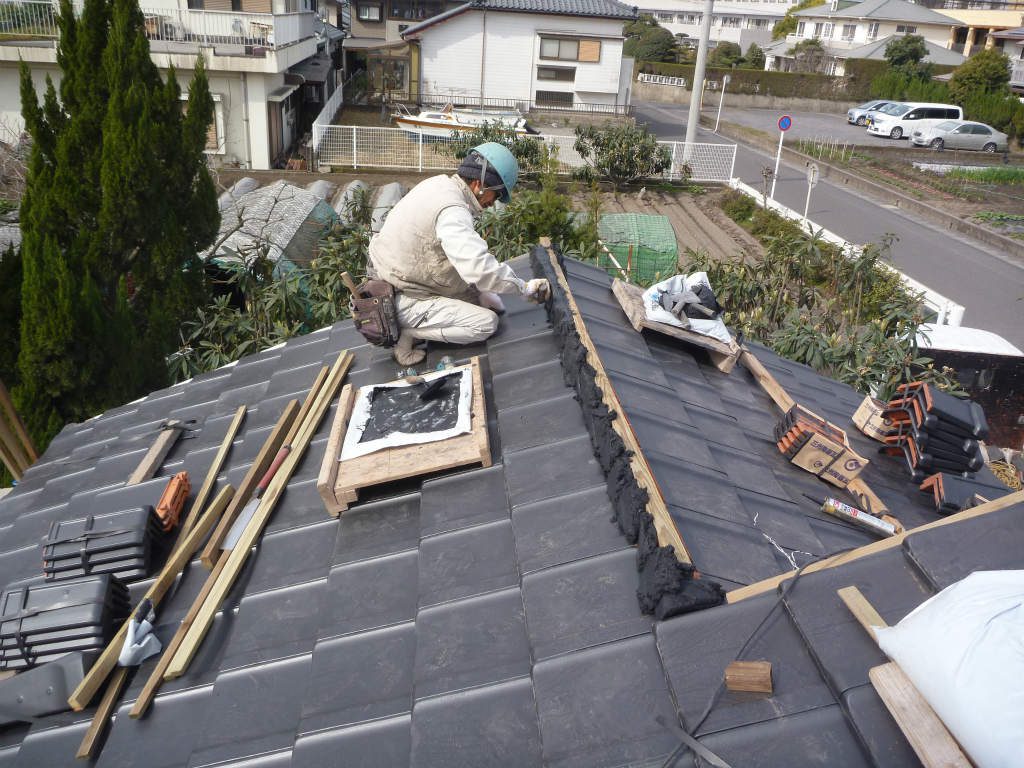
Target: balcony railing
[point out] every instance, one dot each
(1017, 73)
(253, 32)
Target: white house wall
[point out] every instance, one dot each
(452, 53)
(934, 33)
(734, 22)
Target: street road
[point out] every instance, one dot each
(989, 284)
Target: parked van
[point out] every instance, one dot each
(899, 119)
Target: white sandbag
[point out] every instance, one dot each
(385, 199)
(345, 199)
(322, 188)
(964, 651)
(657, 313)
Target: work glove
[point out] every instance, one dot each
(537, 290)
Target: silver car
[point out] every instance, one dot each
(961, 134)
(858, 115)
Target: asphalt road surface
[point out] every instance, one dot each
(989, 284)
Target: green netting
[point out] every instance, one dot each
(645, 243)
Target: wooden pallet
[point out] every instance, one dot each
(340, 481)
(724, 356)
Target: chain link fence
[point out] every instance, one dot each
(354, 147)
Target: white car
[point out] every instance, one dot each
(960, 134)
(901, 119)
(858, 115)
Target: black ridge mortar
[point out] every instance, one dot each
(667, 587)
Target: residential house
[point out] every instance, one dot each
(1011, 41)
(979, 21)
(563, 54)
(734, 21)
(852, 29)
(271, 65)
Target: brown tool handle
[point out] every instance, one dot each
(346, 278)
(272, 470)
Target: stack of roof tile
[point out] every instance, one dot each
(123, 543)
(39, 622)
(935, 432)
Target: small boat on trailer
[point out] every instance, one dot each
(441, 123)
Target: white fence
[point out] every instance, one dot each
(947, 311)
(323, 120)
(645, 77)
(356, 146)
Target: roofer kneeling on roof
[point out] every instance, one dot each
(444, 274)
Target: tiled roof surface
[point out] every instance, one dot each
(607, 9)
(490, 616)
(876, 50)
(889, 10)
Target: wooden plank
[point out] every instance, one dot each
(934, 746)
(328, 476)
(19, 426)
(862, 610)
(867, 500)
(751, 676)
(156, 677)
(103, 714)
(760, 587)
(179, 558)
(767, 381)
(13, 446)
(155, 455)
(413, 460)
(245, 490)
(236, 558)
(310, 398)
(211, 474)
(668, 535)
(12, 464)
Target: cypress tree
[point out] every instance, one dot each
(118, 204)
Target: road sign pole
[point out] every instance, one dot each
(812, 182)
(725, 83)
(807, 202)
(778, 156)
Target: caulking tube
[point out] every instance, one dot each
(853, 515)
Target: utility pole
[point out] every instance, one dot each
(697, 87)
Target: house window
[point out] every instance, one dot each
(691, 18)
(413, 9)
(872, 31)
(849, 30)
(553, 99)
(215, 131)
(668, 17)
(801, 27)
(826, 33)
(565, 49)
(369, 12)
(818, 27)
(903, 29)
(731, 21)
(560, 74)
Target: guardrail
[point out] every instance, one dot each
(471, 100)
(646, 77)
(37, 20)
(947, 311)
(358, 146)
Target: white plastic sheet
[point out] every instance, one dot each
(352, 448)
(964, 651)
(656, 313)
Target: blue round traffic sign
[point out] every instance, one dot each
(785, 123)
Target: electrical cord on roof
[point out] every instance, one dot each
(700, 752)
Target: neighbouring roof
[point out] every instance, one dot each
(283, 219)
(490, 616)
(882, 10)
(606, 9)
(315, 69)
(1017, 33)
(876, 50)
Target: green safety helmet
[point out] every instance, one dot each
(502, 162)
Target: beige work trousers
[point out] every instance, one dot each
(444, 319)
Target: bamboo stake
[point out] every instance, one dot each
(213, 471)
(236, 558)
(19, 425)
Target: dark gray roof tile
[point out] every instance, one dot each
(495, 725)
(724, 549)
(512, 356)
(360, 677)
(606, 706)
(269, 720)
(381, 528)
(551, 470)
(541, 422)
(878, 733)
(565, 528)
(584, 603)
(275, 625)
(528, 385)
(700, 489)
(370, 594)
(467, 562)
(481, 495)
(176, 724)
(469, 643)
(377, 744)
